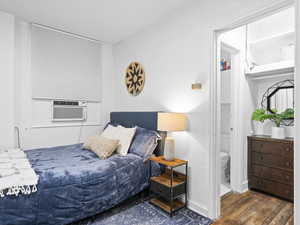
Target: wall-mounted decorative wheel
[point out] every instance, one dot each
(135, 78)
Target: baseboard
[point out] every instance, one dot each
(244, 186)
(200, 209)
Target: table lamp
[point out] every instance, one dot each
(171, 122)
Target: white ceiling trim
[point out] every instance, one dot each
(67, 33)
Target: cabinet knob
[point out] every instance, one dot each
(289, 164)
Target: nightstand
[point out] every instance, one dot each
(169, 186)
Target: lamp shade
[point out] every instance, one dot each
(171, 122)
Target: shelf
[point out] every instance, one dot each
(281, 36)
(166, 206)
(226, 71)
(279, 48)
(273, 69)
(173, 163)
(165, 179)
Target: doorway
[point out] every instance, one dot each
(230, 64)
(231, 121)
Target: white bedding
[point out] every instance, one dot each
(16, 174)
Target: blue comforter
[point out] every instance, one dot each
(74, 184)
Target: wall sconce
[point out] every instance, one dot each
(196, 86)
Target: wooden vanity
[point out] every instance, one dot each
(271, 166)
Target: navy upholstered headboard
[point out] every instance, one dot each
(146, 120)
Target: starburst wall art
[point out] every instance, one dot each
(135, 78)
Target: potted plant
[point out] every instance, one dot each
(278, 131)
(259, 116)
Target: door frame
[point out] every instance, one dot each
(235, 162)
(214, 147)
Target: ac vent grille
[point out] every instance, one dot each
(69, 111)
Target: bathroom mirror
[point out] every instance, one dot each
(279, 96)
(281, 99)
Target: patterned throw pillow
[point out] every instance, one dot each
(88, 143)
(101, 146)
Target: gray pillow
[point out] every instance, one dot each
(144, 143)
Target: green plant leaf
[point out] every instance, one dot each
(259, 115)
(288, 114)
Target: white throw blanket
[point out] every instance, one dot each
(16, 174)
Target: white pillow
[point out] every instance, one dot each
(123, 134)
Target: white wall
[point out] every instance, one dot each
(33, 116)
(7, 44)
(108, 80)
(176, 52)
(279, 23)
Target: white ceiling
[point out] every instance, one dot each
(105, 20)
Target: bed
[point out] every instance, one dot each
(75, 183)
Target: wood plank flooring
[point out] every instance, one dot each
(253, 208)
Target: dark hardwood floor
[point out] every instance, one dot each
(253, 208)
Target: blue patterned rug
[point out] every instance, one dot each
(143, 213)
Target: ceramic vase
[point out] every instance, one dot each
(169, 151)
(258, 128)
(278, 132)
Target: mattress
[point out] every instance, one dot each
(75, 184)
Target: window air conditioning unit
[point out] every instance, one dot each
(69, 111)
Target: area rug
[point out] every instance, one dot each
(143, 213)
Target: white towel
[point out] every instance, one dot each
(7, 165)
(16, 174)
(22, 164)
(7, 172)
(4, 157)
(16, 153)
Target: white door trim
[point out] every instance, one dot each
(214, 151)
(236, 166)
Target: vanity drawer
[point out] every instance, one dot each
(273, 147)
(273, 174)
(270, 160)
(271, 165)
(278, 189)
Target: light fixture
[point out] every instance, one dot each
(196, 86)
(171, 122)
